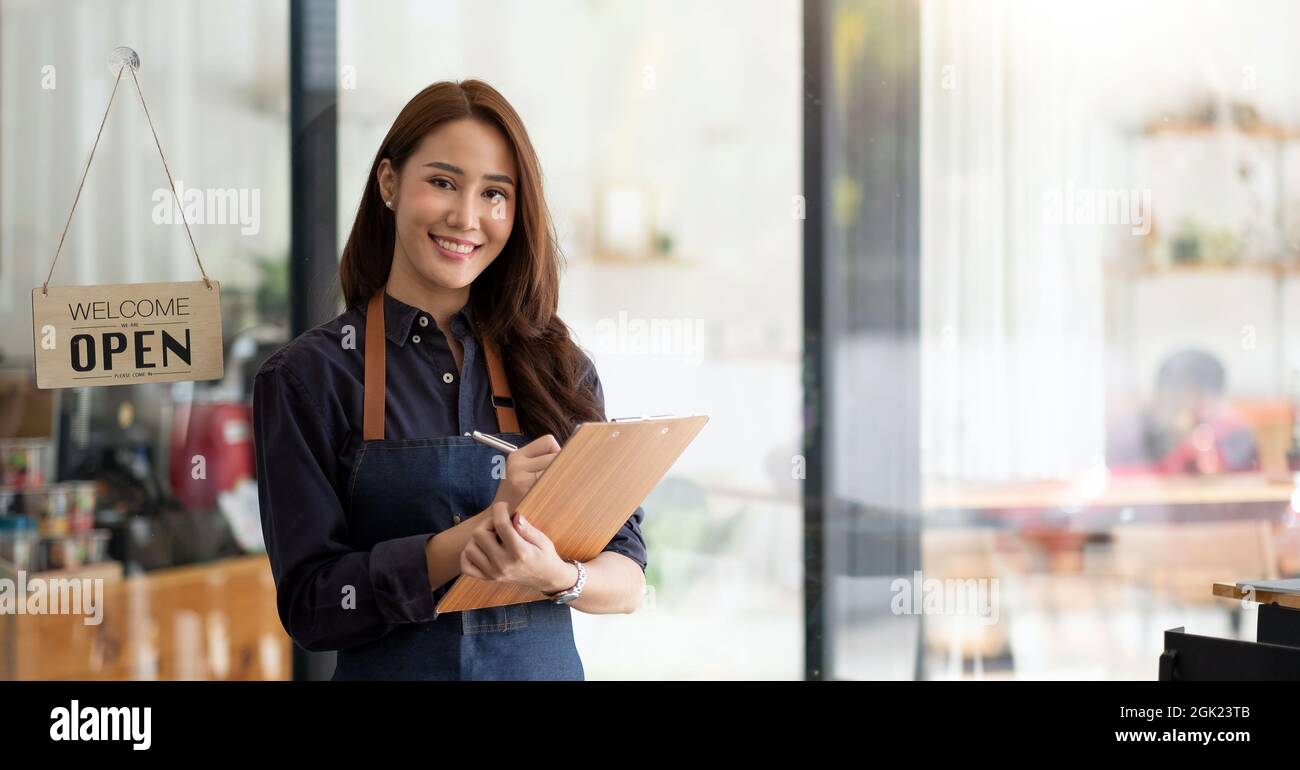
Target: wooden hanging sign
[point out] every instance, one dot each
(127, 334)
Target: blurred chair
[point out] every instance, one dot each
(1270, 421)
(952, 553)
(1180, 562)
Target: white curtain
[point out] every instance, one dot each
(1012, 301)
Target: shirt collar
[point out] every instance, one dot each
(399, 318)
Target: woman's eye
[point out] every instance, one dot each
(440, 183)
(496, 195)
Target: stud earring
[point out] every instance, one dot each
(389, 204)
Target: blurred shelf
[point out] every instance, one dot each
(647, 261)
(1194, 128)
(1275, 269)
(100, 570)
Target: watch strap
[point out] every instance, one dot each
(574, 591)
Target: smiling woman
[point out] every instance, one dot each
(452, 269)
(458, 166)
(460, 213)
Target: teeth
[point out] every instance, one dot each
(459, 248)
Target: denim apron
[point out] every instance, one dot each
(403, 487)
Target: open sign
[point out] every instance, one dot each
(122, 334)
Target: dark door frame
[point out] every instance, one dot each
(861, 296)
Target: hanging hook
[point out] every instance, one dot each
(123, 57)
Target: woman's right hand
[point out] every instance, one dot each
(523, 467)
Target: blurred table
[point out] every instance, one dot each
(1115, 492)
(1178, 524)
(216, 620)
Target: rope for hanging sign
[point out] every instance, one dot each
(171, 185)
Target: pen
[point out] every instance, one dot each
(494, 442)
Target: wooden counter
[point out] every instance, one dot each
(208, 621)
(1231, 591)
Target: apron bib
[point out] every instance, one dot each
(403, 487)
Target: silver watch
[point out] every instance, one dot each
(570, 594)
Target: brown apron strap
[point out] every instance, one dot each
(501, 399)
(375, 385)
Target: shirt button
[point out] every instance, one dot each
(447, 377)
(424, 321)
(415, 339)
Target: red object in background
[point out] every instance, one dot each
(1204, 451)
(220, 433)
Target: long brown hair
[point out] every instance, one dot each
(514, 299)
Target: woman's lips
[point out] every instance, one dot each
(455, 256)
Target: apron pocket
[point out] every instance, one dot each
(507, 618)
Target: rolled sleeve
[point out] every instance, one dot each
(628, 540)
(330, 596)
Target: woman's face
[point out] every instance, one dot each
(454, 202)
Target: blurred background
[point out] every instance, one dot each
(978, 295)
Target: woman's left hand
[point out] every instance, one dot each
(513, 551)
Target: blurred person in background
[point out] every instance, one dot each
(1189, 426)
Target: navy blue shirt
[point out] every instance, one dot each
(307, 409)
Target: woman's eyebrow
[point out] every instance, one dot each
(461, 172)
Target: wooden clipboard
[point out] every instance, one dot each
(586, 494)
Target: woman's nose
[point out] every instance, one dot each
(463, 215)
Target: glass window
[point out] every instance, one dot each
(1109, 396)
(129, 483)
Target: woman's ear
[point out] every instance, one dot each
(387, 179)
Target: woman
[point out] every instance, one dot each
(373, 495)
